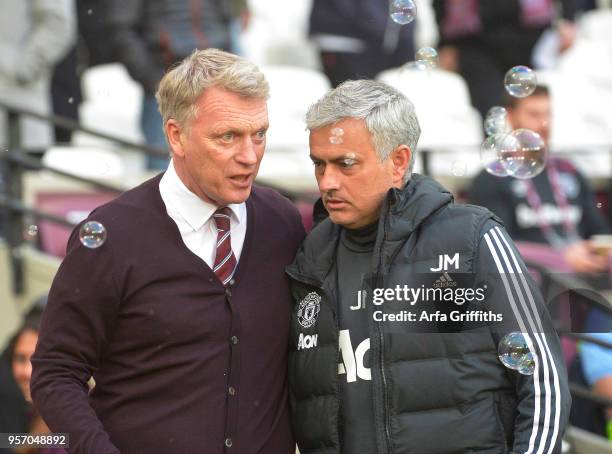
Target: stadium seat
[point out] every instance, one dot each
(292, 90)
(111, 104)
(583, 442)
(277, 34)
(581, 124)
(89, 162)
(447, 119)
(73, 206)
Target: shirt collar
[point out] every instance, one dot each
(195, 211)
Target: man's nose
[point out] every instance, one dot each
(328, 180)
(248, 152)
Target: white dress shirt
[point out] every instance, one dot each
(193, 217)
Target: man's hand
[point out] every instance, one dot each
(583, 258)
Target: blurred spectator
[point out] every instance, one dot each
(241, 17)
(557, 207)
(34, 36)
(95, 47)
(483, 39)
(357, 39)
(149, 36)
(16, 412)
(66, 93)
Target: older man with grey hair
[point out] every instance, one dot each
(401, 300)
(182, 315)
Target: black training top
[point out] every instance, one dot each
(354, 261)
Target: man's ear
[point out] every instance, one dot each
(174, 133)
(401, 164)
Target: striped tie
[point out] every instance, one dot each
(225, 261)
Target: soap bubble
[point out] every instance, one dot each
(520, 81)
(403, 11)
(496, 121)
(496, 125)
(497, 111)
(526, 155)
(92, 234)
(491, 153)
(426, 58)
(512, 350)
(527, 364)
(32, 230)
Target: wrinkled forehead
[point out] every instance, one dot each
(219, 106)
(348, 138)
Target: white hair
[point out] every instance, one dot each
(388, 114)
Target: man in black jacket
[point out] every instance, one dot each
(380, 361)
(357, 38)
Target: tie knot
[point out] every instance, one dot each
(222, 218)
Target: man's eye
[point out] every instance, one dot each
(227, 137)
(348, 163)
(261, 134)
(318, 164)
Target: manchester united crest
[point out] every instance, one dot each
(309, 309)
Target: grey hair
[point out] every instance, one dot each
(388, 114)
(182, 85)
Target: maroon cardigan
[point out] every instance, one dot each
(181, 364)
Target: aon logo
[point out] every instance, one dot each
(352, 362)
(307, 341)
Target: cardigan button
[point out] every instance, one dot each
(228, 442)
(231, 391)
(231, 282)
(234, 340)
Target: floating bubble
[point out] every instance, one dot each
(32, 230)
(337, 131)
(491, 153)
(525, 156)
(70, 100)
(520, 81)
(496, 121)
(427, 58)
(92, 234)
(512, 350)
(459, 168)
(336, 140)
(403, 11)
(527, 364)
(496, 111)
(496, 125)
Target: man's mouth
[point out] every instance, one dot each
(332, 203)
(242, 180)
